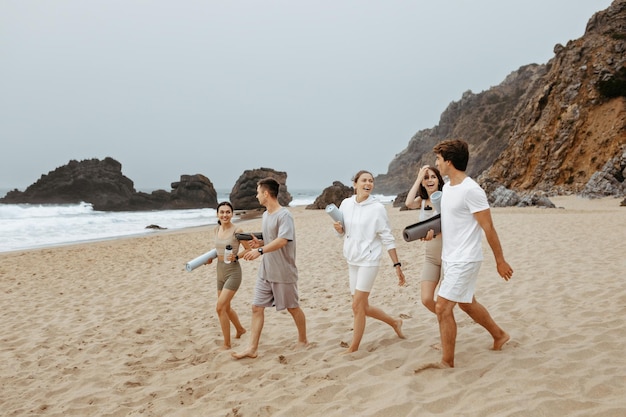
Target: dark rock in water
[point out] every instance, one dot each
(102, 184)
(243, 194)
(335, 194)
(156, 227)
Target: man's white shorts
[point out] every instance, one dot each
(459, 281)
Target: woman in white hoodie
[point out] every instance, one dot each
(366, 231)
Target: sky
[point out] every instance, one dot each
(318, 89)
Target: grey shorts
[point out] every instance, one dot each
(228, 276)
(279, 294)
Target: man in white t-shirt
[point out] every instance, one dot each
(465, 215)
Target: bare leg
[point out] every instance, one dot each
(428, 294)
(447, 330)
(361, 310)
(300, 320)
(226, 315)
(378, 314)
(258, 318)
(481, 316)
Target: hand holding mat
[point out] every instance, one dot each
(420, 230)
(201, 260)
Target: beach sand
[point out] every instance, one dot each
(120, 328)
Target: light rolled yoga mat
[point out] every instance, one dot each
(435, 198)
(201, 260)
(335, 213)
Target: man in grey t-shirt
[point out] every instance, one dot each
(277, 282)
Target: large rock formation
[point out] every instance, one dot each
(546, 127)
(243, 194)
(192, 190)
(484, 120)
(102, 184)
(569, 130)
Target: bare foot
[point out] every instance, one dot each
(249, 353)
(434, 365)
(398, 328)
(225, 347)
(240, 333)
(301, 345)
(349, 351)
(501, 341)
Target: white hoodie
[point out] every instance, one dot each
(366, 230)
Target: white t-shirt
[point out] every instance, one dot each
(461, 233)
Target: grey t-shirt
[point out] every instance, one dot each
(279, 265)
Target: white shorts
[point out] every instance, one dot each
(362, 277)
(459, 281)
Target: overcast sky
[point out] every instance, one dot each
(319, 89)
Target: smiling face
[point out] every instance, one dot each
(430, 182)
(364, 185)
(224, 214)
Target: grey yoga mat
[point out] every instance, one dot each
(201, 260)
(420, 230)
(248, 236)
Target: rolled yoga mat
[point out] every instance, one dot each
(420, 230)
(248, 236)
(201, 260)
(435, 198)
(334, 212)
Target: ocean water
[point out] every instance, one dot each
(31, 226)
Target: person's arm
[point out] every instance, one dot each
(275, 244)
(338, 228)
(397, 266)
(413, 200)
(486, 223)
(244, 243)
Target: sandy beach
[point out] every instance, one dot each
(120, 328)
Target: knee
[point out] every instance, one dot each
(359, 306)
(427, 301)
(442, 310)
(221, 308)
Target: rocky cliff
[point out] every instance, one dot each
(547, 127)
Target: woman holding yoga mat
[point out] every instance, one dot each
(428, 181)
(228, 274)
(366, 232)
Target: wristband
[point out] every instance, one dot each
(397, 264)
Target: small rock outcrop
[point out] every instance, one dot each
(500, 196)
(609, 180)
(335, 194)
(243, 194)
